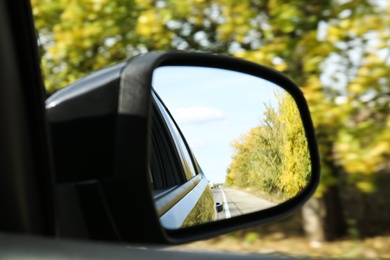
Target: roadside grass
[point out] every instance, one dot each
(286, 238)
(279, 244)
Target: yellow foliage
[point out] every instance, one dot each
(144, 3)
(334, 34)
(366, 186)
(281, 66)
(345, 24)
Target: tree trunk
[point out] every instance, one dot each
(323, 219)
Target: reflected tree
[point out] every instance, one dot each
(274, 156)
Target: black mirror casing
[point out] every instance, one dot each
(116, 105)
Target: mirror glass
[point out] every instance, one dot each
(247, 148)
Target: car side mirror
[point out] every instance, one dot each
(112, 131)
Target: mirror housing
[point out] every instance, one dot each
(101, 139)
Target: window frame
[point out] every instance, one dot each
(164, 157)
(177, 154)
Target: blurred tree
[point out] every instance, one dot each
(77, 37)
(337, 51)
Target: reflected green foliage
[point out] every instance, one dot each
(296, 164)
(274, 156)
(203, 212)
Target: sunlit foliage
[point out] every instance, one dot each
(274, 156)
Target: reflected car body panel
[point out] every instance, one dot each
(197, 205)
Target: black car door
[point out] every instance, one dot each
(26, 195)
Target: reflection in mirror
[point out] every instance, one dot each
(248, 140)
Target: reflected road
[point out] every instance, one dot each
(237, 202)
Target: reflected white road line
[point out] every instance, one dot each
(225, 206)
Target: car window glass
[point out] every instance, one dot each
(180, 144)
(163, 170)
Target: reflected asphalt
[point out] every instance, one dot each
(237, 202)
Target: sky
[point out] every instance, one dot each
(213, 107)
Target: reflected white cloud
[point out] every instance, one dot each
(196, 114)
(199, 144)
